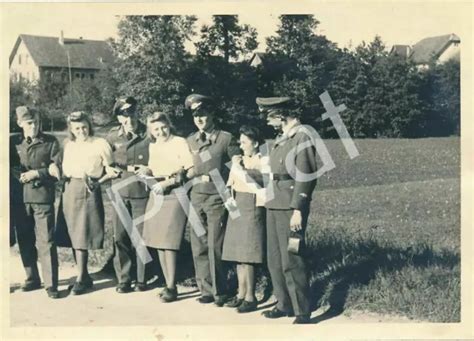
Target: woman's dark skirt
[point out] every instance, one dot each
(165, 228)
(244, 240)
(82, 213)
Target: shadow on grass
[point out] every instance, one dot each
(336, 266)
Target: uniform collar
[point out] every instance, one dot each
(293, 129)
(282, 138)
(140, 131)
(210, 135)
(38, 139)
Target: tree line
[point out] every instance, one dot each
(385, 95)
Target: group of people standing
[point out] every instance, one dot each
(266, 228)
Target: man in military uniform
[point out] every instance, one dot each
(288, 210)
(34, 160)
(211, 149)
(130, 150)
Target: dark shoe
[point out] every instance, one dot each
(123, 288)
(170, 295)
(234, 302)
(141, 286)
(80, 288)
(276, 313)
(162, 292)
(221, 300)
(247, 307)
(205, 299)
(52, 292)
(30, 286)
(302, 319)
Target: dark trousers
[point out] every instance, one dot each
(287, 270)
(35, 235)
(211, 272)
(125, 256)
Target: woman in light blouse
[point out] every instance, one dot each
(168, 155)
(245, 235)
(84, 159)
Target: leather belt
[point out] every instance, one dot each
(129, 168)
(161, 177)
(279, 177)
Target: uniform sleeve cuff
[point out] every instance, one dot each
(42, 173)
(299, 203)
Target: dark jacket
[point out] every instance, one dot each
(129, 153)
(218, 149)
(38, 155)
(288, 193)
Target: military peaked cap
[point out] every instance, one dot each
(199, 104)
(126, 106)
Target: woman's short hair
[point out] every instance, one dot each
(252, 133)
(78, 116)
(159, 116)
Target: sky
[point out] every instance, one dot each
(346, 23)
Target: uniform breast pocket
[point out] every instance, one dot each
(40, 158)
(284, 192)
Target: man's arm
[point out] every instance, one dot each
(53, 167)
(305, 162)
(15, 163)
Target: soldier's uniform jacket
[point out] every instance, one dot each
(128, 153)
(38, 155)
(218, 149)
(288, 193)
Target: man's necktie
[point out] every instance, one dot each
(129, 136)
(29, 140)
(202, 137)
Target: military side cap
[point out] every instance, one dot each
(23, 113)
(126, 106)
(198, 104)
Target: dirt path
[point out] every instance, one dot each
(104, 307)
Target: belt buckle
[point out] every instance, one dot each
(130, 168)
(205, 178)
(271, 176)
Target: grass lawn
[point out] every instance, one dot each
(384, 230)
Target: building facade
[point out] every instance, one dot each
(38, 57)
(439, 50)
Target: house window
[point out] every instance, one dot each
(83, 75)
(91, 76)
(78, 75)
(26, 59)
(19, 59)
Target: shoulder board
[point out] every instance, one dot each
(225, 133)
(15, 136)
(49, 137)
(192, 134)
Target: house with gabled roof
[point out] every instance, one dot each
(36, 57)
(437, 49)
(257, 59)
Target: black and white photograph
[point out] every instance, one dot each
(241, 170)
